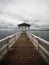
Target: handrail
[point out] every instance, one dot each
(6, 43)
(41, 45)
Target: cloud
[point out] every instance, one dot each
(35, 12)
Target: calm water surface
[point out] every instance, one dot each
(43, 34)
(7, 32)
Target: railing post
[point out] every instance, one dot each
(15, 38)
(8, 44)
(37, 43)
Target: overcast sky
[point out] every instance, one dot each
(35, 12)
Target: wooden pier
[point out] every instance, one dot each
(23, 52)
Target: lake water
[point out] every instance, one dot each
(42, 34)
(6, 32)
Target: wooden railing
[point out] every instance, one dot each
(41, 45)
(6, 43)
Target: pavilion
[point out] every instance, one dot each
(24, 27)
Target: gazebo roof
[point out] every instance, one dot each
(24, 24)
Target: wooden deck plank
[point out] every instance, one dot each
(23, 53)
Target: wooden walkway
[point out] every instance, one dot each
(23, 53)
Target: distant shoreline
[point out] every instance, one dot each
(38, 30)
(20, 29)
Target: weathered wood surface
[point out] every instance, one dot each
(23, 52)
